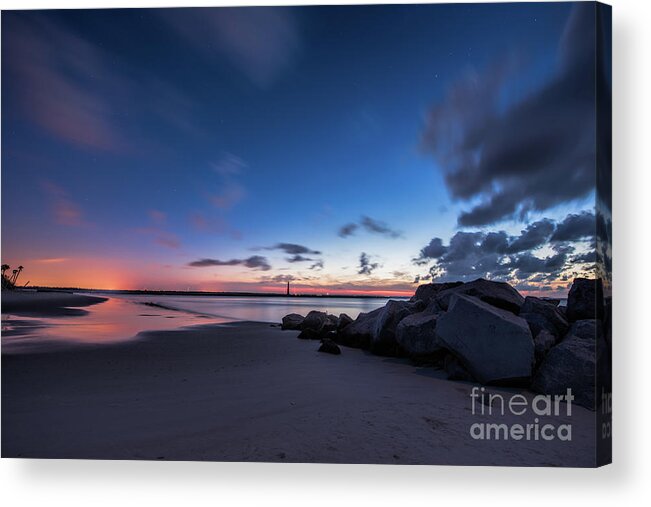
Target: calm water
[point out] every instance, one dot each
(122, 317)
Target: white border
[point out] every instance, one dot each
(111, 483)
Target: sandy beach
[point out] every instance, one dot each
(47, 304)
(251, 392)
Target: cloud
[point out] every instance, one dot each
(576, 227)
(168, 240)
(347, 230)
(292, 249)
(262, 43)
(64, 210)
(253, 262)
(56, 75)
(298, 258)
(534, 154)
(497, 255)
(366, 267)
(318, 265)
(370, 225)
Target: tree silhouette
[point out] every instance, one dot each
(17, 274)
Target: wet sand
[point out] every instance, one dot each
(251, 392)
(46, 304)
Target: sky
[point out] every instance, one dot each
(348, 150)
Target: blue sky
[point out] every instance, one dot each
(136, 142)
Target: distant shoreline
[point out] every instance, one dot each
(206, 293)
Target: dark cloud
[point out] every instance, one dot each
(294, 249)
(347, 230)
(377, 227)
(366, 267)
(534, 236)
(536, 154)
(298, 258)
(576, 227)
(497, 255)
(253, 262)
(370, 225)
(318, 265)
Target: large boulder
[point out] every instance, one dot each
(498, 294)
(293, 321)
(585, 300)
(383, 338)
(455, 370)
(569, 365)
(587, 329)
(358, 333)
(343, 321)
(426, 292)
(493, 344)
(416, 335)
(314, 321)
(543, 342)
(542, 314)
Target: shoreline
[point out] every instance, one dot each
(47, 303)
(250, 392)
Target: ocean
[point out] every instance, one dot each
(123, 316)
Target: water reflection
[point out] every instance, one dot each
(113, 321)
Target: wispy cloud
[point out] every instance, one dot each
(64, 210)
(370, 225)
(262, 43)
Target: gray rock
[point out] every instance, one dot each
(543, 342)
(343, 321)
(293, 321)
(314, 320)
(426, 292)
(455, 370)
(493, 344)
(416, 334)
(383, 338)
(498, 294)
(585, 300)
(570, 364)
(331, 323)
(329, 347)
(553, 319)
(358, 333)
(587, 329)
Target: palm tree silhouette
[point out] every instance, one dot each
(5, 267)
(17, 273)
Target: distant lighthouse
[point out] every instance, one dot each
(288, 288)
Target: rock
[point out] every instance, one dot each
(553, 301)
(498, 294)
(329, 347)
(587, 329)
(543, 342)
(292, 321)
(493, 344)
(311, 334)
(314, 321)
(383, 338)
(552, 320)
(455, 369)
(426, 292)
(585, 300)
(343, 321)
(330, 323)
(358, 333)
(570, 364)
(416, 334)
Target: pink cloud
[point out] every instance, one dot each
(64, 210)
(56, 71)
